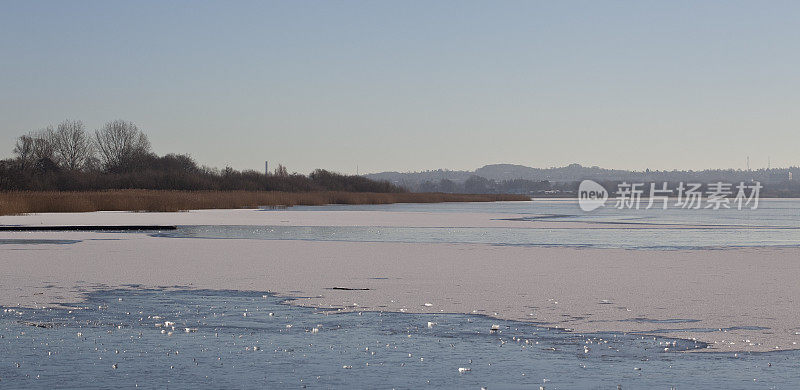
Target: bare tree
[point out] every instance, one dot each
(281, 171)
(120, 144)
(72, 147)
(24, 151)
(43, 144)
(34, 147)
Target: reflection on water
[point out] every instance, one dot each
(190, 338)
(775, 223)
(770, 212)
(660, 238)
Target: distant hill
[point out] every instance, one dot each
(414, 179)
(511, 178)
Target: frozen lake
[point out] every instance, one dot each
(776, 223)
(225, 339)
(405, 295)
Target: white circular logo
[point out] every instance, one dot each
(591, 195)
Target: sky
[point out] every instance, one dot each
(415, 85)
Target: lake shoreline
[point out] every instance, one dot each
(25, 202)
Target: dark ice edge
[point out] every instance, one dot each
(81, 228)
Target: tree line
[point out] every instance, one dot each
(118, 155)
(545, 188)
(480, 185)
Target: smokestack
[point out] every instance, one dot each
(266, 168)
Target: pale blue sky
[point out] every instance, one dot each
(415, 85)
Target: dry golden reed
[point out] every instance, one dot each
(23, 202)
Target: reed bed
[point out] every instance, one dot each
(23, 202)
